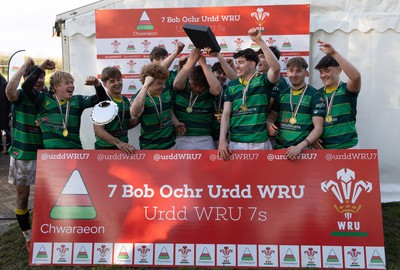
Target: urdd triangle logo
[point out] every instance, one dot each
(144, 22)
(74, 201)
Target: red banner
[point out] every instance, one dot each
(125, 37)
(189, 208)
(162, 22)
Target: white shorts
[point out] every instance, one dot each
(22, 172)
(195, 143)
(250, 146)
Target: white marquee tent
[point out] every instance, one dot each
(367, 32)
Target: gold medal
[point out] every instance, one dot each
(292, 120)
(189, 109)
(65, 132)
(243, 108)
(328, 118)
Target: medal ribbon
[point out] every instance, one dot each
(121, 121)
(294, 113)
(65, 122)
(246, 88)
(158, 112)
(190, 101)
(329, 102)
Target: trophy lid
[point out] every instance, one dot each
(202, 37)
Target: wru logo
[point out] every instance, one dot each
(347, 190)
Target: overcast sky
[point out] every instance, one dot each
(27, 25)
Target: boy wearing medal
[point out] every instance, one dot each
(340, 98)
(300, 110)
(59, 112)
(27, 139)
(152, 105)
(114, 135)
(194, 88)
(246, 101)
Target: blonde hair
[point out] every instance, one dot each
(58, 77)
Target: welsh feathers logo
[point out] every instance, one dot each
(260, 16)
(346, 190)
(74, 202)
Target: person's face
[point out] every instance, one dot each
(157, 87)
(114, 86)
(64, 89)
(39, 84)
(262, 66)
(244, 68)
(220, 76)
(159, 60)
(330, 76)
(196, 88)
(296, 76)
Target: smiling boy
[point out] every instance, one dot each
(59, 112)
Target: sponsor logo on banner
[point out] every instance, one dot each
(270, 41)
(268, 255)
(144, 22)
(74, 202)
(259, 15)
(41, 253)
(164, 254)
(116, 65)
(354, 257)
(205, 254)
(375, 257)
(332, 257)
(103, 253)
(123, 253)
(82, 253)
(238, 42)
(247, 255)
(184, 254)
(115, 44)
(131, 47)
(143, 253)
(311, 256)
(146, 43)
(226, 255)
(289, 256)
(347, 191)
(62, 253)
(131, 66)
(286, 45)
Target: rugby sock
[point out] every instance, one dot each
(24, 223)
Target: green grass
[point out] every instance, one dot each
(14, 256)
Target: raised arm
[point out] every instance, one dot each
(101, 94)
(273, 63)
(168, 61)
(29, 83)
(226, 67)
(354, 76)
(12, 92)
(137, 106)
(180, 79)
(215, 86)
